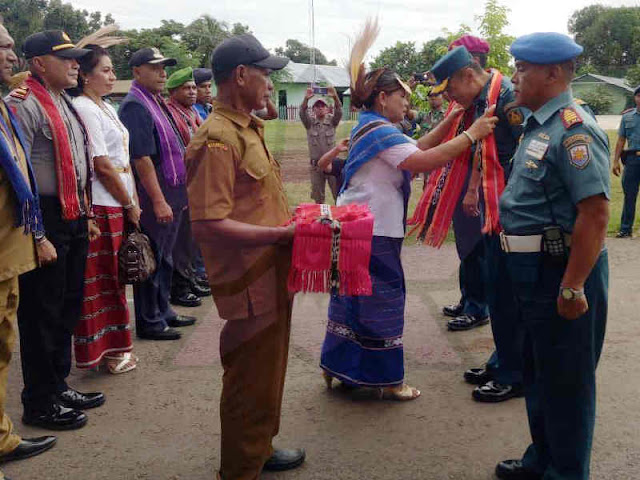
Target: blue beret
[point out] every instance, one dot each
(545, 48)
(449, 64)
(201, 75)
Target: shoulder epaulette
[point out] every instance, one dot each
(570, 117)
(21, 93)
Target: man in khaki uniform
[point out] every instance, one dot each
(238, 207)
(17, 251)
(321, 137)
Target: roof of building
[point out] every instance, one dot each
(304, 73)
(616, 82)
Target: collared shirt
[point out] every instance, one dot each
(321, 134)
(630, 129)
(203, 110)
(39, 141)
(231, 174)
(144, 142)
(17, 250)
(554, 168)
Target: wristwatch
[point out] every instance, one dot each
(568, 293)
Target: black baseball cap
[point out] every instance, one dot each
(244, 50)
(150, 55)
(51, 42)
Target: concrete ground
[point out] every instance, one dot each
(161, 422)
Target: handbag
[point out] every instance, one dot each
(136, 261)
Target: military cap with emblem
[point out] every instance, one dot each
(244, 50)
(152, 56)
(179, 78)
(201, 75)
(471, 43)
(545, 48)
(449, 64)
(51, 42)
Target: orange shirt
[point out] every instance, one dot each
(231, 174)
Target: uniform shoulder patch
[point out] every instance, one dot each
(21, 93)
(570, 117)
(514, 114)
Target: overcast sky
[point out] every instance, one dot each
(275, 21)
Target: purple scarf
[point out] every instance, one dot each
(171, 147)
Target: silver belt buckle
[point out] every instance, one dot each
(504, 243)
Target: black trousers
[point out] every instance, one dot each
(183, 255)
(50, 308)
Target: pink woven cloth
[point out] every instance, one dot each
(332, 249)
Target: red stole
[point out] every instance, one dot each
(186, 119)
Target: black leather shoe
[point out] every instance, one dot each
(466, 322)
(454, 310)
(514, 470)
(181, 321)
(624, 235)
(477, 376)
(56, 418)
(285, 460)
(186, 299)
(29, 447)
(493, 392)
(167, 334)
(71, 398)
(200, 290)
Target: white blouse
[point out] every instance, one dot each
(109, 138)
(378, 183)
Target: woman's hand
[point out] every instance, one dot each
(484, 125)
(94, 230)
(456, 111)
(343, 146)
(133, 215)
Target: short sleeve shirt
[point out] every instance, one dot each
(231, 174)
(143, 142)
(321, 134)
(630, 128)
(562, 159)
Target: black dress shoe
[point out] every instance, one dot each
(56, 418)
(200, 290)
(493, 392)
(454, 310)
(71, 398)
(186, 299)
(514, 470)
(29, 447)
(623, 234)
(166, 334)
(466, 322)
(181, 321)
(477, 376)
(285, 460)
(203, 281)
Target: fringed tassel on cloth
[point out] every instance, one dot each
(332, 249)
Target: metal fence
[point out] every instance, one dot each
(291, 113)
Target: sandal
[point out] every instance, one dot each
(328, 379)
(122, 363)
(403, 393)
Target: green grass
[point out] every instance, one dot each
(289, 138)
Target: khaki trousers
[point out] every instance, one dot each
(8, 315)
(318, 180)
(254, 357)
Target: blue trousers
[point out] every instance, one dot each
(560, 359)
(505, 363)
(151, 298)
(630, 183)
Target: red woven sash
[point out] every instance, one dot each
(434, 212)
(332, 249)
(65, 168)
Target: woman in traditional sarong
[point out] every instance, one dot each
(363, 345)
(103, 334)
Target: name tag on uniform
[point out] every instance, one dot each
(537, 149)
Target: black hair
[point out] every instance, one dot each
(364, 95)
(87, 64)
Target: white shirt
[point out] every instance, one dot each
(108, 138)
(378, 183)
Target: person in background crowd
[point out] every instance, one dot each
(185, 289)
(20, 217)
(58, 145)
(238, 207)
(202, 77)
(628, 133)
(321, 137)
(157, 152)
(557, 261)
(103, 334)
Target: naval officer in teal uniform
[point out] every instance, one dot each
(554, 212)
